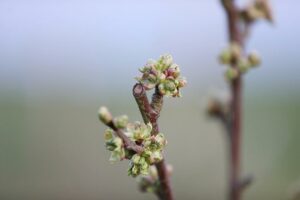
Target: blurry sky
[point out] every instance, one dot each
(53, 46)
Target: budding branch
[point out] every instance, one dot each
(150, 113)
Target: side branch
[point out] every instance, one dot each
(130, 145)
(232, 17)
(141, 99)
(149, 112)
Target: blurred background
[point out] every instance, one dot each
(60, 60)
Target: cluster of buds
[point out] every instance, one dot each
(138, 133)
(115, 145)
(153, 145)
(258, 9)
(162, 74)
(150, 182)
(233, 56)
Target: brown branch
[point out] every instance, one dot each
(141, 99)
(150, 113)
(235, 35)
(130, 145)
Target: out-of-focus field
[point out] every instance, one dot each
(54, 150)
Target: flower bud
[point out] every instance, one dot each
(152, 78)
(108, 134)
(151, 64)
(231, 74)
(260, 9)
(254, 59)
(170, 85)
(121, 121)
(104, 115)
(264, 8)
(225, 57)
(166, 60)
(162, 89)
(174, 71)
(182, 82)
(155, 157)
(235, 50)
(136, 159)
(160, 140)
(243, 65)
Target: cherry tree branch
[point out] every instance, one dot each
(150, 113)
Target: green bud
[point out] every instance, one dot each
(170, 85)
(117, 150)
(182, 82)
(162, 89)
(231, 74)
(260, 9)
(138, 131)
(252, 13)
(263, 9)
(136, 159)
(104, 115)
(174, 71)
(118, 141)
(254, 59)
(138, 166)
(161, 77)
(117, 155)
(108, 134)
(114, 144)
(144, 168)
(156, 157)
(166, 60)
(160, 140)
(243, 65)
(168, 88)
(225, 57)
(144, 69)
(110, 145)
(121, 121)
(152, 78)
(235, 50)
